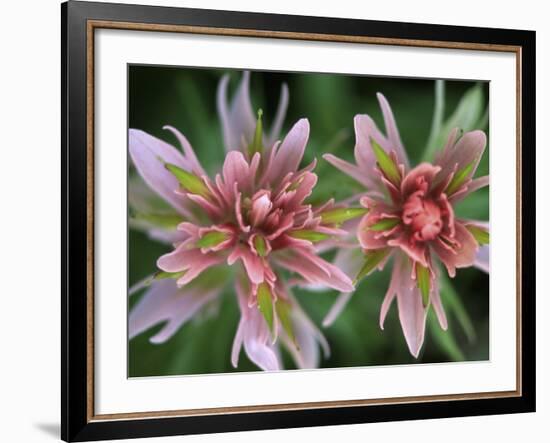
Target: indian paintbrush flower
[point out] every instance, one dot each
(411, 218)
(253, 216)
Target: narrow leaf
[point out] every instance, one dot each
(385, 224)
(166, 221)
(265, 305)
(423, 283)
(283, 312)
(341, 215)
(481, 235)
(458, 179)
(372, 259)
(189, 181)
(295, 185)
(161, 275)
(260, 246)
(211, 239)
(257, 143)
(386, 164)
(306, 234)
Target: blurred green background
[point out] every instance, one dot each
(186, 99)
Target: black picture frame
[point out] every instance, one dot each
(77, 424)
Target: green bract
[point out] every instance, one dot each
(386, 164)
(189, 181)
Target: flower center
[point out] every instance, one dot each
(423, 216)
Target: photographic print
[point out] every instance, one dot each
(284, 220)
(259, 205)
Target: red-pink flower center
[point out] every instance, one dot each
(423, 215)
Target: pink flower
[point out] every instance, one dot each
(238, 120)
(411, 218)
(252, 216)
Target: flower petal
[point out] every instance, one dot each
(460, 257)
(349, 261)
(193, 261)
(261, 205)
(289, 153)
(238, 122)
(237, 170)
(149, 154)
(368, 238)
(391, 130)
(417, 251)
(308, 337)
(425, 172)
(482, 258)
(304, 190)
(438, 306)
(349, 169)
(315, 270)
(277, 124)
(194, 165)
(165, 302)
(412, 313)
(468, 150)
(254, 334)
(253, 264)
(472, 186)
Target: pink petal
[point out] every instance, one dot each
(283, 224)
(435, 299)
(415, 250)
(261, 205)
(165, 302)
(472, 186)
(279, 118)
(412, 316)
(315, 270)
(194, 165)
(348, 169)
(238, 210)
(368, 238)
(238, 121)
(391, 130)
(193, 261)
(211, 208)
(482, 258)
(254, 334)
(350, 262)
(468, 149)
(164, 236)
(304, 190)
(366, 131)
(424, 171)
(237, 170)
(253, 264)
(288, 155)
(237, 343)
(412, 313)
(461, 257)
(337, 308)
(148, 154)
(392, 290)
(386, 303)
(308, 337)
(443, 156)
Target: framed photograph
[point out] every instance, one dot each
(279, 221)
